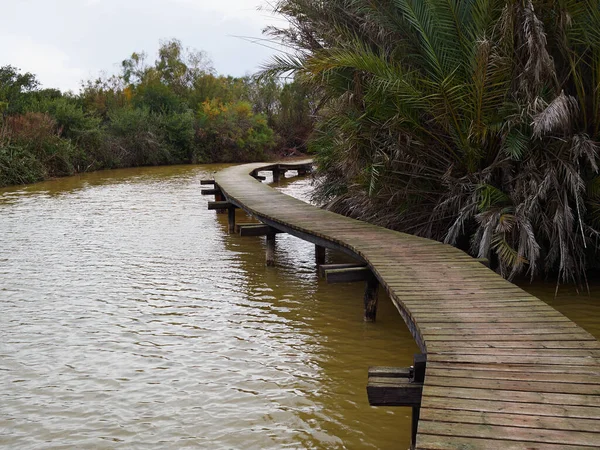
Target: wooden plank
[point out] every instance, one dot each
(590, 371)
(521, 359)
(210, 191)
(256, 230)
(450, 393)
(518, 434)
(516, 336)
(388, 391)
(207, 182)
(561, 376)
(219, 205)
(593, 344)
(389, 372)
(451, 380)
(519, 352)
(436, 442)
(324, 267)
(513, 420)
(347, 275)
(510, 407)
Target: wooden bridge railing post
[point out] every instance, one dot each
(270, 256)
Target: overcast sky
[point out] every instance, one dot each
(66, 41)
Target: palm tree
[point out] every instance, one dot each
(474, 122)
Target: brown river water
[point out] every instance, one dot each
(131, 320)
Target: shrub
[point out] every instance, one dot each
(232, 132)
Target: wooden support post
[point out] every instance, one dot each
(276, 175)
(231, 219)
(371, 297)
(418, 377)
(320, 254)
(270, 250)
(301, 172)
(219, 197)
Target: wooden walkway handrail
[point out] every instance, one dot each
(503, 369)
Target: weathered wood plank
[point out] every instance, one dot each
(509, 407)
(511, 433)
(220, 205)
(324, 267)
(390, 372)
(347, 275)
(561, 376)
(256, 230)
(210, 191)
(451, 380)
(516, 420)
(520, 359)
(450, 393)
(387, 391)
(590, 371)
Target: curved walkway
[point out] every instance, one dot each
(504, 370)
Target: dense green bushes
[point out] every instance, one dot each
(174, 111)
(472, 122)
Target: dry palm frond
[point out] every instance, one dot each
(558, 116)
(472, 122)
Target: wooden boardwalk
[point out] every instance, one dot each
(504, 370)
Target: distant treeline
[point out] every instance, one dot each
(176, 110)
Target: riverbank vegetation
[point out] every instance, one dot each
(175, 110)
(471, 122)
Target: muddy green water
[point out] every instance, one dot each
(131, 319)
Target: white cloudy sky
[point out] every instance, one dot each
(65, 41)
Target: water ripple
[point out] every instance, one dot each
(130, 319)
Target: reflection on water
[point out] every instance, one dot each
(130, 319)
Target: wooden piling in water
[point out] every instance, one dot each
(320, 255)
(231, 219)
(270, 255)
(371, 297)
